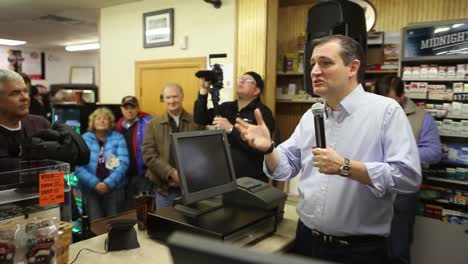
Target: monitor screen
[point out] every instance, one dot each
(208, 166)
(204, 164)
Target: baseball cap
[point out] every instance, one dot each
(129, 100)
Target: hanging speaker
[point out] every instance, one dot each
(333, 17)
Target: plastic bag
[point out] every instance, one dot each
(36, 241)
(7, 244)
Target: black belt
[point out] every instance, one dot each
(343, 240)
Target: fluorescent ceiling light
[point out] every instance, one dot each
(11, 42)
(90, 46)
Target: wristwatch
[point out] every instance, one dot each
(270, 149)
(345, 169)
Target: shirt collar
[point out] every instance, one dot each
(252, 105)
(125, 123)
(350, 103)
(183, 116)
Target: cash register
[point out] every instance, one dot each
(214, 203)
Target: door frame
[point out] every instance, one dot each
(140, 66)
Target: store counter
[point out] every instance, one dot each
(151, 250)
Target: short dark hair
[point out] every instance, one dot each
(26, 79)
(388, 83)
(350, 50)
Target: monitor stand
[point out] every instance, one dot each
(199, 208)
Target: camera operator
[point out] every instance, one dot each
(248, 162)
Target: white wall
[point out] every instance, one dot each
(57, 63)
(209, 31)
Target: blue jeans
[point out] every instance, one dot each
(163, 201)
(136, 184)
(372, 252)
(401, 234)
(102, 205)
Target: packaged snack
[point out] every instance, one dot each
(458, 87)
(36, 241)
(7, 244)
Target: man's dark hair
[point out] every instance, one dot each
(350, 50)
(26, 79)
(388, 83)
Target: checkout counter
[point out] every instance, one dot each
(250, 212)
(153, 251)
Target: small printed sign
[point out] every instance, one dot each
(51, 188)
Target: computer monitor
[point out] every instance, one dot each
(186, 249)
(204, 164)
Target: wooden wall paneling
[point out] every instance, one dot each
(392, 15)
(269, 95)
(251, 36)
(256, 43)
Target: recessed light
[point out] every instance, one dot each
(89, 46)
(12, 42)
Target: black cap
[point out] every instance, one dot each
(258, 79)
(129, 100)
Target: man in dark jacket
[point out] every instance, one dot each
(16, 125)
(133, 126)
(248, 162)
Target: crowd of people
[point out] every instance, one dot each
(358, 194)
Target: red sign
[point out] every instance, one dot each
(51, 188)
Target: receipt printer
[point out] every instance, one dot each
(253, 193)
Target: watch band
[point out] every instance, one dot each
(345, 170)
(270, 150)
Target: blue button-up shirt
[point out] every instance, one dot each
(365, 127)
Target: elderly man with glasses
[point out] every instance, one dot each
(248, 162)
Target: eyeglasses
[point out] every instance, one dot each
(245, 80)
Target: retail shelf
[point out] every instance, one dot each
(457, 116)
(426, 79)
(12, 196)
(446, 204)
(453, 134)
(289, 74)
(465, 183)
(381, 71)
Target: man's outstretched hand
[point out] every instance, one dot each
(257, 136)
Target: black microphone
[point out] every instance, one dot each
(318, 110)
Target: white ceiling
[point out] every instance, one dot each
(39, 22)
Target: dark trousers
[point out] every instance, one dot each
(102, 205)
(136, 184)
(401, 235)
(372, 252)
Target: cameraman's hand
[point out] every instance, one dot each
(257, 136)
(204, 86)
(174, 179)
(222, 123)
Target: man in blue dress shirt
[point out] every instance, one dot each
(347, 189)
(427, 137)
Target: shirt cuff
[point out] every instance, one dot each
(378, 172)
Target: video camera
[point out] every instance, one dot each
(215, 77)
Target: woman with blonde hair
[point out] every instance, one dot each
(102, 180)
